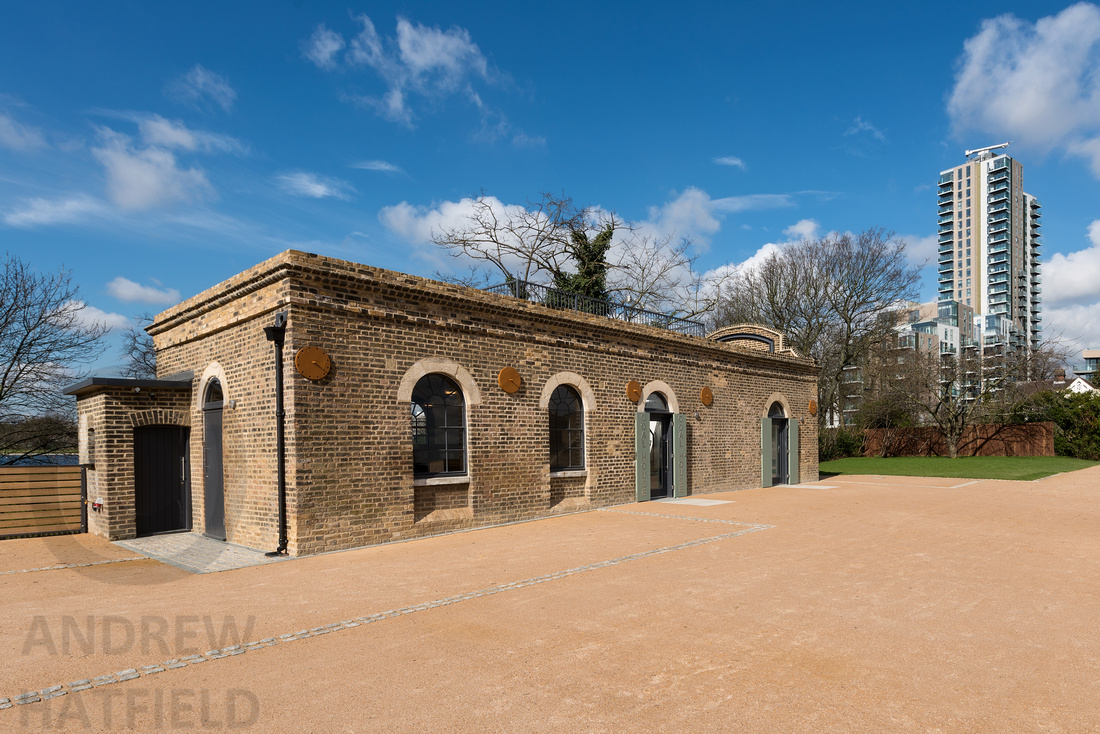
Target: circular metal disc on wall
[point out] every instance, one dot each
(509, 379)
(707, 396)
(634, 391)
(312, 363)
(813, 407)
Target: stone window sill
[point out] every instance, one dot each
(572, 473)
(436, 481)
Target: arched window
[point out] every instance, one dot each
(213, 392)
(566, 429)
(656, 403)
(439, 427)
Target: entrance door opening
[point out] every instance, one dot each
(213, 477)
(780, 460)
(162, 487)
(660, 447)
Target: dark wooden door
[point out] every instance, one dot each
(162, 487)
(213, 478)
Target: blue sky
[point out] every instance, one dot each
(156, 149)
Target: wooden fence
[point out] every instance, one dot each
(1014, 439)
(41, 500)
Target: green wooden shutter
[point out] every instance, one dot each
(792, 451)
(766, 452)
(679, 455)
(641, 456)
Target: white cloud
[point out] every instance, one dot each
(749, 264)
(732, 160)
(301, 183)
(420, 60)
(859, 125)
(322, 47)
(417, 224)
(90, 316)
(694, 214)
(40, 212)
(20, 137)
(922, 250)
(1071, 293)
(523, 140)
(1074, 278)
(147, 177)
(382, 166)
(1037, 84)
(201, 87)
(156, 130)
(802, 229)
(127, 290)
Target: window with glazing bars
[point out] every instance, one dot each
(566, 429)
(438, 427)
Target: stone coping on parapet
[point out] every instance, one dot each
(308, 266)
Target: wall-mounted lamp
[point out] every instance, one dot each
(232, 404)
(137, 389)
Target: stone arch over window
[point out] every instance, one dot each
(776, 397)
(664, 389)
(439, 365)
(588, 397)
(212, 372)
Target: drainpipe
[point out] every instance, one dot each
(277, 334)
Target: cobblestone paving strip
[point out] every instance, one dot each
(71, 565)
(225, 652)
(755, 526)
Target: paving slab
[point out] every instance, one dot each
(859, 604)
(196, 553)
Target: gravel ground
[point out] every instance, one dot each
(853, 604)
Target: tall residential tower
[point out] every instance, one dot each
(989, 243)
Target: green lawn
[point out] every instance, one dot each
(963, 467)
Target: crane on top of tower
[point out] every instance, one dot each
(987, 148)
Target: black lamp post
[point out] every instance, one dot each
(277, 334)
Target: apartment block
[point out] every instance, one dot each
(990, 243)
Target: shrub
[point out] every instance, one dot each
(839, 443)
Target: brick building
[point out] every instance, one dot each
(414, 407)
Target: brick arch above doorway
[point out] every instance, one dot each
(776, 397)
(665, 389)
(159, 417)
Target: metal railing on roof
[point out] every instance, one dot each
(564, 300)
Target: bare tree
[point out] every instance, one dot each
(657, 273)
(43, 338)
(954, 391)
(138, 350)
(522, 242)
(834, 298)
(583, 250)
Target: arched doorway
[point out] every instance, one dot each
(660, 446)
(779, 447)
(213, 476)
(779, 443)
